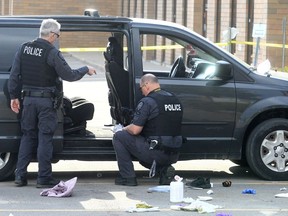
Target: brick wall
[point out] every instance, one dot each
(191, 14)
(68, 7)
(241, 17)
(73, 7)
(276, 11)
(260, 17)
(211, 22)
(197, 16)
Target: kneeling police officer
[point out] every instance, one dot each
(153, 137)
(37, 69)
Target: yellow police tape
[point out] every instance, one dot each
(253, 44)
(102, 49)
(169, 47)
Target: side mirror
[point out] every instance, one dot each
(223, 70)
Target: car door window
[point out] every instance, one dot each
(167, 56)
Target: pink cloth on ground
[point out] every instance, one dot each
(63, 189)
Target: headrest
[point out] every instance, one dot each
(114, 51)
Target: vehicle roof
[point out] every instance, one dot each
(78, 18)
(61, 18)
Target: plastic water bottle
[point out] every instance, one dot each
(176, 190)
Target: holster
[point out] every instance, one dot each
(58, 99)
(153, 144)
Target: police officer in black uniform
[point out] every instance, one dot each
(36, 72)
(153, 137)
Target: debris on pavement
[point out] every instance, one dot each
(204, 198)
(223, 214)
(143, 207)
(200, 182)
(63, 189)
(210, 192)
(283, 189)
(226, 183)
(197, 205)
(281, 195)
(249, 191)
(188, 200)
(160, 188)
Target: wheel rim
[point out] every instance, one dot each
(4, 158)
(274, 151)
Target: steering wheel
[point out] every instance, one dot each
(178, 68)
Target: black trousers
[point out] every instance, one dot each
(38, 124)
(127, 145)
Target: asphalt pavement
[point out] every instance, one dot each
(96, 194)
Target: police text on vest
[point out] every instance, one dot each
(172, 107)
(33, 51)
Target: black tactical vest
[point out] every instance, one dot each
(34, 68)
(166, 127)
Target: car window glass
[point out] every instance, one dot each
(172, 57)
(13, 39)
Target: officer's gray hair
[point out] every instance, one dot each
(150, 78)
(48, 26)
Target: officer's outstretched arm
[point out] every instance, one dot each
(91, 70)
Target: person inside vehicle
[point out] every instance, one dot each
(153, 137)
(37, 69)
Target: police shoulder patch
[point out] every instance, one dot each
(140, 105)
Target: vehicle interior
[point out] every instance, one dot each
(118, 83)
(180, 59)
(84, 114)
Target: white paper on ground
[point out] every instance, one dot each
(134, 209)
(204, 198)
(282, 195)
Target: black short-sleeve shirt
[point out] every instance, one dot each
(146, 109)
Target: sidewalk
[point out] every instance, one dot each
(79, 59)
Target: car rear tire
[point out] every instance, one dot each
(7, 165)
(267, 150)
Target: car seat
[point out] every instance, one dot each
(118, 83)
(77, 111)
(201, 69)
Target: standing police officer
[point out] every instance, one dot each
(153, 137)
(37, 69)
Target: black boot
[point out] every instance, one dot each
(167, 174)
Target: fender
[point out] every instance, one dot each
(255, 110)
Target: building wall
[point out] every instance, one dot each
(191, 13)
(196, 18)
(260, 17)
(265, 12)
(277, 10)
(242, 20)
(211, 20)
(67, 7)
(71, 7)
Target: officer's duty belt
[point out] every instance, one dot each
(41, 94)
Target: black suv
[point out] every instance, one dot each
(230, 111)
